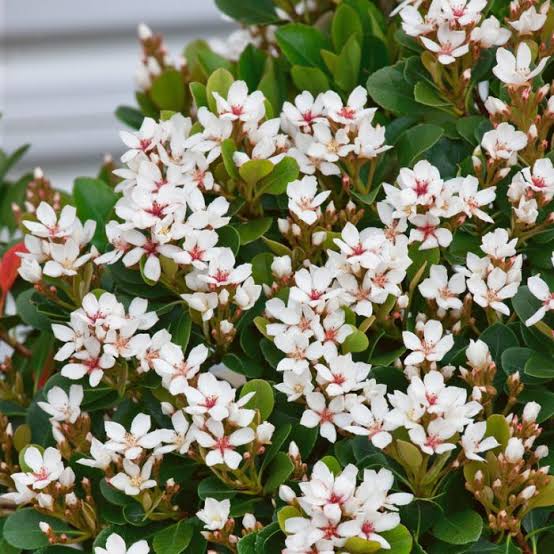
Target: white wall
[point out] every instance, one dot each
(65, 65)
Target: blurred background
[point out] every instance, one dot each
(65, 65)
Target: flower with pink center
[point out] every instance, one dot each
(222, 447)
(432, 346)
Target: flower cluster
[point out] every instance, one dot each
(333, 509)
(320, 275)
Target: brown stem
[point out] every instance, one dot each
(18, 347)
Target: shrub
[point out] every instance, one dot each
(311, 310)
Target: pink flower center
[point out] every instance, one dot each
(210, 401)
(347, 112)
(41, 474)
(223, 444)
(368, 528)
(221, 275)
(421, 187)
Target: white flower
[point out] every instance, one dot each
(180, 438)
(221, 446)
(515, 70)
(215, 513)
(473, 441)
(327, 492)
(530, 20)
(304, 201)
(370, 141)
(492, 291)
(116, 545)
(202, 302)
(478, 354)
(305, 111)
(353, 111)
(327, 146)
(45, 467)
(498, 245)
(413, 22)
(368, 524)
(432, 346)
(132, 443)
(134, 479)
(444, 291)
(89, 362)
(527, 211)
(30, 270)
(48, 224)
(102, 456)
(299, 352)
(296, 385)
(222, 271)
(462, 12)
(372, 422)
(539, 289)
(472, 198)
(360, 247)
(452, 44)
(247, 294)
(239, 105)
(174, 369)
(434, 439)
(61, 406)
(504, 142)
(490, 33)
(326, 416)
(143, 141)
(210, 397)
(428, 232)
(540, 178)
(65, 259)
(312, 286)
(342, 375)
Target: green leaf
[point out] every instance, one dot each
(545, 498)
(416, 141)
(173, 539)
(263, 399)
(229, 237)
(400, 540)
(498, 427)
(261, 268)
(22, 530)
(7, 162)
(277, 440)
(302, 44)
(277, 181)
(220, 81)
(168, 91)
(247, 545)
(113, 495)
(279, 470)
(357, 545)
(27, 309)
(427, 95)
(198, 91)
(286, 513)
(253, 230)
(251, 66)
(498, 338)
(255, 170)
(348, 65)
(180, 330)
(459, 528)
(391, 91)
(539, 365)
(355, 342)
(228, 148)
(311, 79)
(94, 200)
(212, 487)
(468, 127)
(409, 454)
(333, 464)
(130, 116)
(525, 303)
(250, 12)
(345, 25)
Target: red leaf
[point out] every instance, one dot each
(9, 265)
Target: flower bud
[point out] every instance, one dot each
(318, 237)
(514, 450)
(286, 494)
(541, 451)
(264, 432)
(249, 522)
(528, 492)
(531, 411)
(294, 452)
